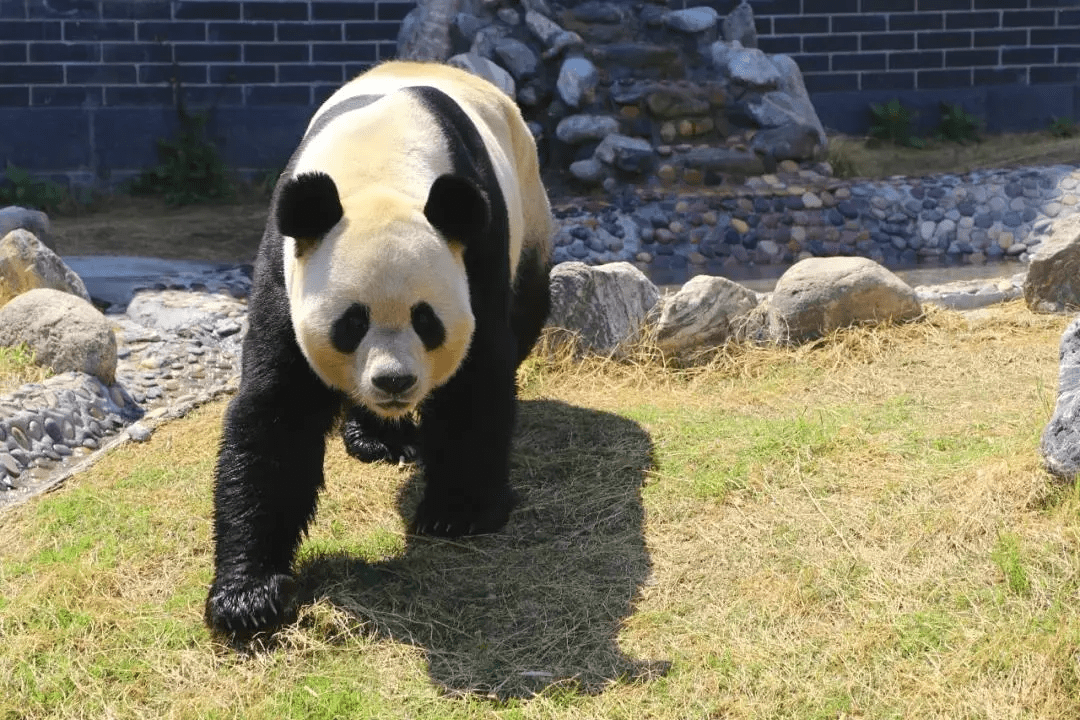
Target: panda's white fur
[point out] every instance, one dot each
(383, 158)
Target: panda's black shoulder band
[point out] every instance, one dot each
(458, 208)
(307, 207)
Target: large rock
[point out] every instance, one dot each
(818, 295)
(26, 264)
(692, 20)
(630, 154)
(482, 67)
(65, 332)
(577, 129)
(602, 308)
(1061, 438)
(36, 222)
(739, 26)
(425, 32)
(798, 106)
(1053, 278)
(518, 58)
(577, 81)
(704, 313)
(748, 67)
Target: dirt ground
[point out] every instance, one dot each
(148, 227)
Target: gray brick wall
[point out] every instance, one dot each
(87, 86)
(873, 45)
(124, 53)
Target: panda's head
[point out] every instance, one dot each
(378, 294)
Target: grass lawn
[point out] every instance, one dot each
(856, 528)
(859, 158)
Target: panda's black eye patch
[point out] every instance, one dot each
(349, 329)
(428, 326)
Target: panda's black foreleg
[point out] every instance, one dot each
(269, 472)
(466, 429)
(369, 438)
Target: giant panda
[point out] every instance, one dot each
(403, 273)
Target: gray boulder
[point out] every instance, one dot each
(725, 160)
(577, 81)
(576, 129)
(518, 58)
(692, 20)
(703, 314)
(482, 67)
(543, 28)
(26, 263)
(818, 295)
(602, 309)
(747, 67)
(1060, 444)
(739, 26)
(36, 222)
(590, 171)
(626, 153)
(65, 332)
(1053, 278)
(797, 105)
(425, 32)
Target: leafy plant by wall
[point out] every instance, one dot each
(190, 168)
(957, 125)
(1064, 127)
(894, 123)
(19, 187)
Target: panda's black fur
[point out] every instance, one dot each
(270, 465)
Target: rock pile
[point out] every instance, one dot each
(619, 91)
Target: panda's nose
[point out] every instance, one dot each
(394, 384)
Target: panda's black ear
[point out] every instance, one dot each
(307, 208)
(458, 208)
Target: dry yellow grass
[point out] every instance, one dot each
(17, 367)
(855, 528)
(854, 157)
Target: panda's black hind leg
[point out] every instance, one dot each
(369, 438)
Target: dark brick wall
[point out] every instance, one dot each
(870, 45)
(88, 85)
(124, 53)
(1014, 63)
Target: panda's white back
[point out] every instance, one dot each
(410, 148)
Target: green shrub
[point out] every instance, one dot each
(19, 187)
(894, 123)
(1064, 127)
(957, 125)
(189, 169)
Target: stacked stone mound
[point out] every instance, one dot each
(618, 91)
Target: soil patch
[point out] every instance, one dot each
(147, 227)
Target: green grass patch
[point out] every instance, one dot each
(854, 529)
(17, 366)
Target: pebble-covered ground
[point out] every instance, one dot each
(177, 349)
(774, 220)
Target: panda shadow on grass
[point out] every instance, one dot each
(539, 603)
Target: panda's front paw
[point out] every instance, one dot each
(442, 517)
(243, 606)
